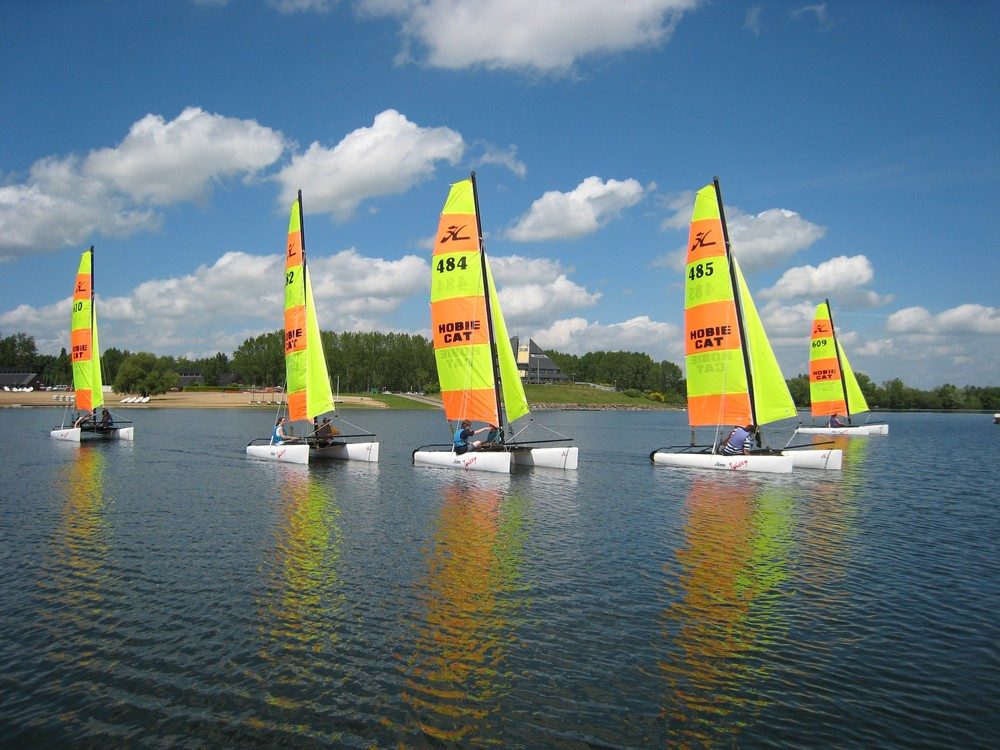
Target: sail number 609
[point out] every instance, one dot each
(450, 264)
(700, 270)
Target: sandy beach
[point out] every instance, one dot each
(176, 400)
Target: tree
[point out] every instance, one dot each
(799, 388)
(18, 351)
(146, 374)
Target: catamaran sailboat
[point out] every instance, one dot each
(86, 359)
(308, 381)
(733, 377)
(476, 366)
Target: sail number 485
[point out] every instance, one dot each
(450, 264)
(701, 269)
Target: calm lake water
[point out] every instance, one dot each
(173, 592)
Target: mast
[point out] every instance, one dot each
(840, 365)
(739, 308)
(489, 313)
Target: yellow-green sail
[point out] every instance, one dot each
(85, 349)
(306, 375)
(726, 349)
(463, 340)
(771, 398)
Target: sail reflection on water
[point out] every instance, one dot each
(302, 596)
(458, 675)
(727, 609)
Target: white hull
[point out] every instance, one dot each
(548, 458)
(75, 434)
(830, 459)
(497, 461)
(861, 430)
(297, 453)
(768, 464)
(348, 452)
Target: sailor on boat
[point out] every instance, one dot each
(462, 435)
(740, 440)
(835, 421)
(279, 436)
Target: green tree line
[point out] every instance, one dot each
(403, 362)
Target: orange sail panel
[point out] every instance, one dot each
(459, 323)
(85, 355)
(716, 373)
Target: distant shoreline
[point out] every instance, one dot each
(174, 400)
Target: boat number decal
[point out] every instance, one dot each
(818, 343)
(77, 307)
(289, 277)
(451, 264)
(700, 270)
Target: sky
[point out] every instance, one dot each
(857, 145)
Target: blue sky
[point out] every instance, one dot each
(856, 143)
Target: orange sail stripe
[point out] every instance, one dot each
(722, 408)
(459, 321)
(711, 326)
(295, 329)
(456, 233)
(294, 255)
(823, 408)
(80, 345)
(824, 369)
(705, 240)
(82, 290)
(297, 406)
(478, 405)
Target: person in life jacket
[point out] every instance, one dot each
(462, 435)
(740, 440)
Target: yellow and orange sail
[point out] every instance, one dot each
(85, 354)
(733, 376)
(467, 323)
(306, 375)
(833, 388)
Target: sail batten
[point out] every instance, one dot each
(306, 374)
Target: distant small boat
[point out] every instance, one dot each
(996, 419)
(833, 388)
(308, 381)
(86, 361)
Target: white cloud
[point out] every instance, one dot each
(841, 276)
(640, 334)
(166, 162)
(964, 319)
(217, 306)
(387, 158)
(541, 35)
(66, 201)
(288, 7)
(59, 208)
(759, 241)
(752, 20)
(582, 211)
(504, 157)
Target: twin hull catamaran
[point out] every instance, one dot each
(733, 377)
(308, 381)
(476, 367)
(833, 388)
(86, 359)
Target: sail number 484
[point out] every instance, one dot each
(701, 269)
(450, 264)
